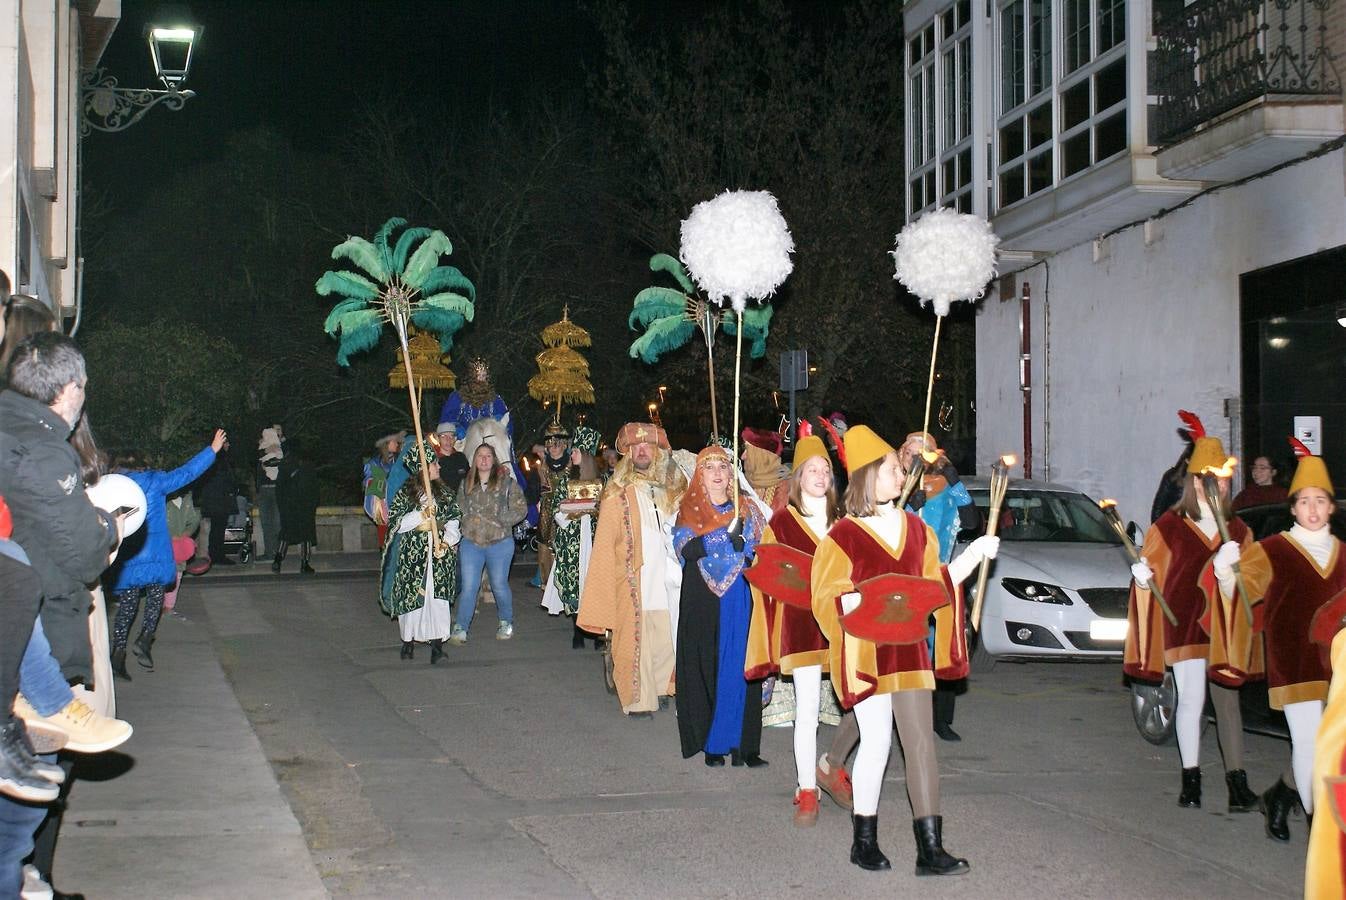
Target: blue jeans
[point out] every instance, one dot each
(496, 559)
(19, 821)
(40, 678)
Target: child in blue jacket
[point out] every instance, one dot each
(150, 570)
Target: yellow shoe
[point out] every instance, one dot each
(86, 731)
(44, 738)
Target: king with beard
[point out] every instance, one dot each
(634, 578)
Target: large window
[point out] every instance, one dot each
(939, 121)
(1024, 150)
(1057, 117)
(1093, 84)
(923, 120)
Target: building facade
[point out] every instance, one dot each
(1169, 185)
(44, 46)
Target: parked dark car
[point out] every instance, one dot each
(1152, 705)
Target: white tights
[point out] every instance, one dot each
(1303, 719)
(874, 715)
(1190, 677)
(808, 694)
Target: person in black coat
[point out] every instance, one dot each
(297, 496)
(218, 503)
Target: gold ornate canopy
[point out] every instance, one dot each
(563, 374)
(429, 366)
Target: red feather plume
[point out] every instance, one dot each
(1297, 445)
(1194, 426)
(836, 439)
(805, 429)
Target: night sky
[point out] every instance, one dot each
(304, 67)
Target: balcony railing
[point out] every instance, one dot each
(1215, 55)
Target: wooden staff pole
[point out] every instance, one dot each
(999, 482)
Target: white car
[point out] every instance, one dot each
(1058, 588)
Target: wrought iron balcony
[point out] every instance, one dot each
(1216, 55)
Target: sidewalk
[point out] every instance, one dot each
(188, 807)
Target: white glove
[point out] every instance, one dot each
(849, 602)
(985, 547)
(453, 533)
(1142, 573)
(1225, 559)
(562, 520)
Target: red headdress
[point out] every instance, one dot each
(836, 439)
(696, 510)
(1194, 426)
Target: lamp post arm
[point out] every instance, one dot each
(110, 107)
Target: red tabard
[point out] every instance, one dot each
(869, 558)
(799, 631)
(1190, 551)
(1296, 669)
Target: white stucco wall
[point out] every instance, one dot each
(1119, 345)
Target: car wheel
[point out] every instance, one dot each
(1152, 707)
(981, 660)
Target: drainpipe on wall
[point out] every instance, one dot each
(1026, 377)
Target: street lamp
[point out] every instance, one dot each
(109, 107)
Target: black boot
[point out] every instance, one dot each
(141, 649)
(436, 651)
(1241, 797)
(119, 664)
(942, 708)
(280, 556)
(931, 859)
(408, 649)
(1190, 798)
(1276, 804)
(865, 851)
(751, 760)
(20, 776)
(304, 567)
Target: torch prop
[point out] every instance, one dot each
(1210, 486)
(999, 483)
(1109, 508)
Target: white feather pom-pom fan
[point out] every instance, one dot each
(737, 246)
(946, 256)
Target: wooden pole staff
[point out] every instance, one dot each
(1109, 508)
(1210, 484)
(999, 482)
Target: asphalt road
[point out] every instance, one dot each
(507, 771)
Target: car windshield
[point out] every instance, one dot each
(1028, 515)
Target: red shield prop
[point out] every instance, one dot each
(1327, 621)
(894, 609)
(782, 572)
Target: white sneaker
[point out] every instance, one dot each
(504, 632)
(458, 635)
(34, 888)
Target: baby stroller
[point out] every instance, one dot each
(238, 531)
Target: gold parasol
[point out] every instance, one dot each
(429, 366)
(563, 374)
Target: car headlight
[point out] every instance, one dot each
(1036, 591)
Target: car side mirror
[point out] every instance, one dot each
(1133, 532)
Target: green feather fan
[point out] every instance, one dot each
(661, 336)
(448, 278)
(363, 254)
(662, 262)
(655, 303)
(398, 261)
(424, 259)
(756, 324)
(435, 298)
(347, 284)
(359, 330)
(345, 307)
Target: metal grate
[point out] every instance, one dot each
(1214, 55)
(1107, 603)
